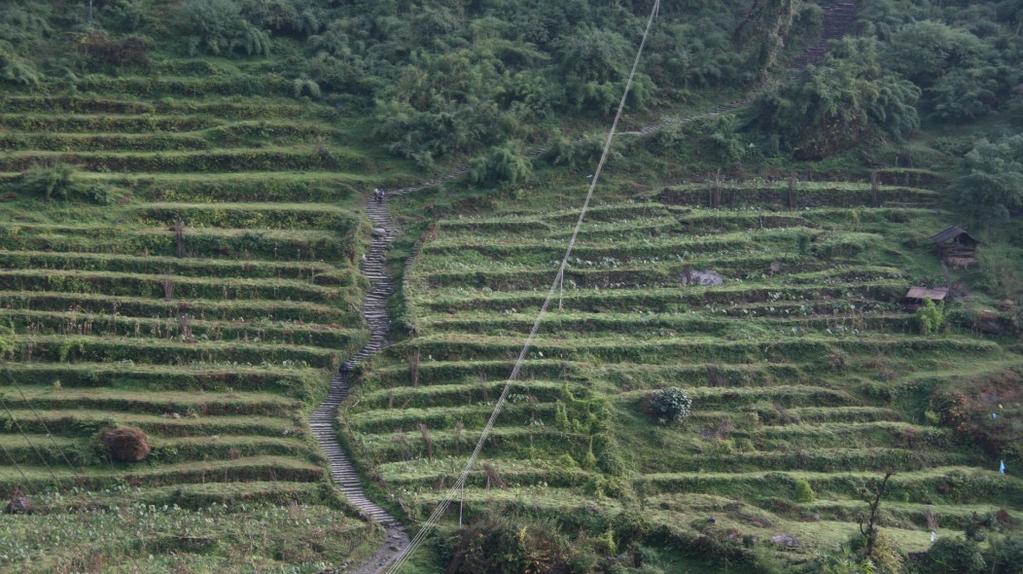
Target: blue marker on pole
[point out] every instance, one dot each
(1001, 467)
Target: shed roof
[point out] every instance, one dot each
(949, 233)
(925, 293)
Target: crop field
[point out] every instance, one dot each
(803, 365)
(206, 301)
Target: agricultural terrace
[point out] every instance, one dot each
(201, 288)
(803, 367)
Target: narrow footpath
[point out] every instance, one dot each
(321, 421)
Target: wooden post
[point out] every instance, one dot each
(715, 192)
(875, 188)
(791, 196)
(179, 236)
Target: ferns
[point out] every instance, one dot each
(305, 86)
(17, 70)
(502, 164)
(219, 27)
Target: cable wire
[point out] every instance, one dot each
(442, 507)
(39, 419)
(24, 435)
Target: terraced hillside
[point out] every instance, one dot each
(204, 297)
(802, 364)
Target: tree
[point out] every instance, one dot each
(992, 187)
(930, 318)
(925, 51)
(869, 527)
(595, 63)
(838, 105)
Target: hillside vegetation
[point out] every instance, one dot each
(728, 378)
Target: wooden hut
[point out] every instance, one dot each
(956, 247)
(916, 296)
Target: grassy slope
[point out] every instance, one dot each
(269, 189)
(810, 370)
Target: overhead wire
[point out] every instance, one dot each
(459, 485)
(31, 444)
(39, 419)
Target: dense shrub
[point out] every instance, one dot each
(101, 48)
(61, 182)
(955, 556)
(125, 444)
(804, 493)
(503, 164)
(930, 317)
(992, 186)
(219, 27)
(846, 100)
(668, 406)
(498, 546)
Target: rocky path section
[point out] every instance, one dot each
(321, 421)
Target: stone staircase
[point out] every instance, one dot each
(321, 421)
(839, 20)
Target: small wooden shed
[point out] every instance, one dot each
(916, 296)
(956, 246)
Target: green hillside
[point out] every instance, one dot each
(222, 354)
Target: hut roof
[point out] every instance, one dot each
(951, 232)
(925, 293)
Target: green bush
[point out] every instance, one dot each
(956, 556)
(845, 101)
(804, 493)
(930, 318)
(502, 164)
(669, 406)
(499, 546)
(61, 182)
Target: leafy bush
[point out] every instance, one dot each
(930, 318)
(956, 556)
(496, 545)
(804, 493)
(839, 104)
(219, 27)
(669, 406)
(502, 164)
(992, 188)
(1005, 555)
(59, 182)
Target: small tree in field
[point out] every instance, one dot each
(668, 406)
(930, 318)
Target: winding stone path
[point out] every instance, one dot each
(321, 421)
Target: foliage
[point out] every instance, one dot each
(219, 27)
(60, 182)
(1005, 554)
(502, 164)
(845, 101)
(992, 187)
(951, 555)
(668, 406)
(930, 318)
(804, 493)
(502, 546)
